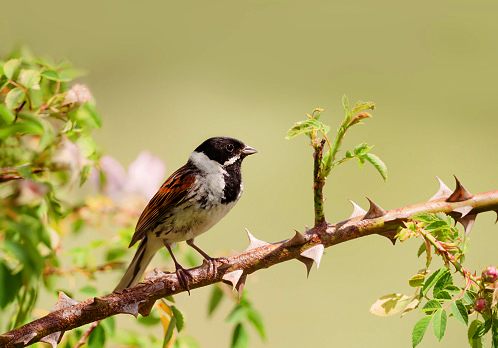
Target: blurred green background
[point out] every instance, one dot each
(167, 75)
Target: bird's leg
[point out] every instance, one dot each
(210, 259)
(181, 272)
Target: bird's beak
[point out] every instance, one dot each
(248, 150)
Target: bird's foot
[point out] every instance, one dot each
(183, 276)
(213, 264)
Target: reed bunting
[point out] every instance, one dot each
(191, 201)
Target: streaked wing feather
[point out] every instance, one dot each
(172, 192)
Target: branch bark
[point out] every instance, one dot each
(259, 255)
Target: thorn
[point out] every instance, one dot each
(233, 277)
(467, 222)
(26, 338)
(53, 339)
(63, 301)
(131, 308)
(390, 235)
(306, 228)
(298, 239)
(240, 285)
(254, 242)
(357, 210)
(496, 211)
(443, 192)
(463, 210)
(460, 194)
(308, 263)
(375, 211)
(315, 253)
(145, 309)
(98, 302)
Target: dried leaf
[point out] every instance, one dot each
(389, 304)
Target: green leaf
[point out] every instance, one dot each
(345, 103)
(419, 330)
(361, 149)
(238, 314)
(11, 284)
(29, 78)
(150, 320)
(256, 320)
(421, 249)
(436, 225)
(431, 306)
(306, 126)
(425, 217)
(169, 331)
(439, 323)
(27, 254)
(14, 98)
(89, 290)
(474, 342)
(482, 329)
(179, 318)
(468, 298)
(362, 106)
(114, 253)
(50, 75)
(377, 163)
(460, 312)
(240, 337)
(433, 278)
(10, 67)
(6, 116)
(215, 299)
(445, 279)
(417, 280)
(494, 335)
(97, 338)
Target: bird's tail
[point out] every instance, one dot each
(140, 261)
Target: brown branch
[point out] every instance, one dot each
(140, 298)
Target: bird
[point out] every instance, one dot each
(191, 201)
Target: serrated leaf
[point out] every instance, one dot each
(179, 318)
(11, 66)
(436, 225)
(6, 116)
(460, 312)
(306, 126)
(419, 330)
(445, 279)
(424, 217)
(482, 329)
(240, 337)
(439, 323)
(468, 298)
(361, 149)
(433, 278)
(29, 78)
(362, 106)
(215, 299)
(474, 342)
(422, 249)
(431, 306)
(377, 163)
(50, 75)
(14, 98)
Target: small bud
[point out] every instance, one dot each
(358, 118)
(480, 304)
(490, 274)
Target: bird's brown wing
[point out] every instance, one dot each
(173, 191)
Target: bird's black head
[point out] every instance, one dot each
(224, 150)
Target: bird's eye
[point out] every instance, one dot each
(230, 147)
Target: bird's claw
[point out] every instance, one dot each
(183, 275)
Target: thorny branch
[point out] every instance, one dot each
(307, 248)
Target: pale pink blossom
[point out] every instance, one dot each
(78, 94)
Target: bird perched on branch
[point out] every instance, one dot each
(191, 201)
